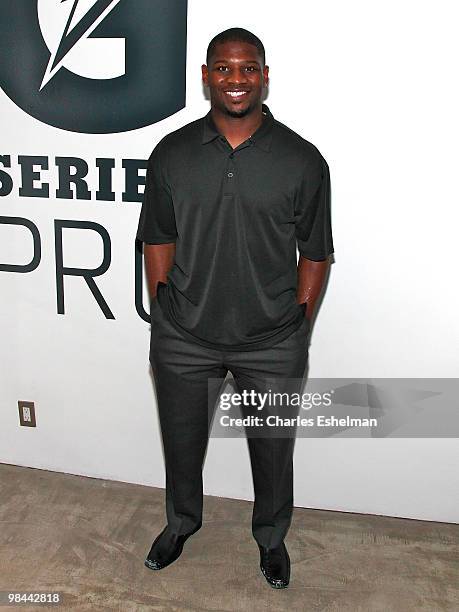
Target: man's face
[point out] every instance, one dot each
(236, 78)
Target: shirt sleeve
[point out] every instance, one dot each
(157, 218)
(313, 212)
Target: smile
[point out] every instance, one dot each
(236, 94)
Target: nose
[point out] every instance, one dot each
(237, 76)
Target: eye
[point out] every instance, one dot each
(221, 68)
(251, 68)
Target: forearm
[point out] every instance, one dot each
(311, 276)
(159, 258)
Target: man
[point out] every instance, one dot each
(228, 198)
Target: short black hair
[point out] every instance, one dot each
(235, 34)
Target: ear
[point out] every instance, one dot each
(205, 75)
(265, 76)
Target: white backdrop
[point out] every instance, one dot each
(373, 86)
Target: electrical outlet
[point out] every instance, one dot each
(27, 414)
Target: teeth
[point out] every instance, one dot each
(236, 94)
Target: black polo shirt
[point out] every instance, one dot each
(236, 217)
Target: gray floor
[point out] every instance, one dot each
(87, 538)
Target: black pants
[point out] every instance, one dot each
(181, 370)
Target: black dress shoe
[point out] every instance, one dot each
(275, 565)
(166, 548)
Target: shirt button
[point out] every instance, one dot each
(230, 174)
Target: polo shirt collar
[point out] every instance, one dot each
(261, 137)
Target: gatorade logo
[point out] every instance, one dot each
(94, 66)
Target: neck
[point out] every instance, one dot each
(237, 128)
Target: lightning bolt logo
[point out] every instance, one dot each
(71, 36)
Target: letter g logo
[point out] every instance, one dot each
(94, 66)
